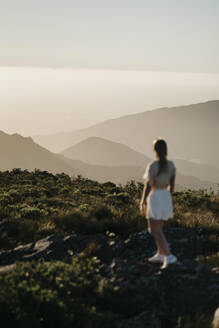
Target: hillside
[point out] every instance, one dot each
(200, 171)
(24, 153)
(75, 251)
(20, 152)
(99, 151)
(191, 131)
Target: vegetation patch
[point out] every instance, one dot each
(84, 289)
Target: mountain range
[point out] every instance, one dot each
(115, 150)
(20, 152)
(191, 132)
(99, 151)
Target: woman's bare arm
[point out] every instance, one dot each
(146, 190)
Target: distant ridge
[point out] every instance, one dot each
(191, 131)
(100, 151)
(123, 174)
(20, 152)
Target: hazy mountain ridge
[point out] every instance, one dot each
(20, 152)
(123, 174)
(100, 151)
(191, 132)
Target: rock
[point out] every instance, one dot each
(56, 247)
(6, 268)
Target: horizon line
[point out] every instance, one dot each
(102, 69)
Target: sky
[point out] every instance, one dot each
(68, 64)
(157, 35)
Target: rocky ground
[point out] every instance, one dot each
(152, 297)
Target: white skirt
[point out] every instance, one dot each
(159, 205)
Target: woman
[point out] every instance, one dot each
(159, 185)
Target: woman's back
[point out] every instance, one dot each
(163, 179)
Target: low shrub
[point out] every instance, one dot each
(51, 294)
(30, 212)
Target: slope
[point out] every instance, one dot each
(191, 131)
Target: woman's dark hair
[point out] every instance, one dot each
(160, 147)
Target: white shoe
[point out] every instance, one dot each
(169, 260)
(157, 258)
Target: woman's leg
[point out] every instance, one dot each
(155, 229)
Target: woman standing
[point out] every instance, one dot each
(159, 185)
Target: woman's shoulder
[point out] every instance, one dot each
(170, 162)
(149, 167)
(152, 164)
(150, 170)
(171, 165)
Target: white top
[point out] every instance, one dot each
(163, 179)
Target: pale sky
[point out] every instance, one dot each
(161, 35)
(67, 64)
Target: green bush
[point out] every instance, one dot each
(51, 294)
(6, 199)
(121, 198)
(30, 212)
